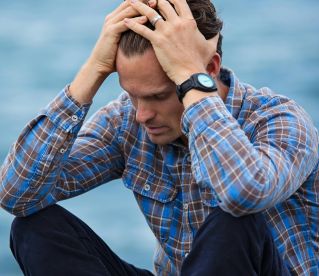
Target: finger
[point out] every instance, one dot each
(182, 8)
(152, 3)
(145, 10)
(128, 12)
(121, 27)
(124, 5)
(166, 9)
(139, 29)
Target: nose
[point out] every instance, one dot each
(144, 112)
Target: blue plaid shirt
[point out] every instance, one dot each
(257, 152)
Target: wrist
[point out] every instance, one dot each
(183, 76)
(97, 71)
(86, 83)
(201, 83)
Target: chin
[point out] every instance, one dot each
(161, 139)
(160, 142)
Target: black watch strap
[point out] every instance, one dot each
(200, 81)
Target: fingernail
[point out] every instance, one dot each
(133, 1)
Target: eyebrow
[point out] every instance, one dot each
(163, 91)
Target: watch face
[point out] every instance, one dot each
(205, 80)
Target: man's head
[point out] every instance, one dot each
(207, 22)
(152, 92)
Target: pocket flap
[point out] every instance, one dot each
(148, 184)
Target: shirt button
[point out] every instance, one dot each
(185, 206)
(147, 187)
(62, 150)
(186, 254)
(75, 118)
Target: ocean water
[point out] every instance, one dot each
(270, 43)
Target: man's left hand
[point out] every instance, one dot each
(178, 44)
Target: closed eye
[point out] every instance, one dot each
(161, 96)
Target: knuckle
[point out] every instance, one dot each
(191, 23)
(179, 25)
(186, 24)
(129, 12)
(161, 41)
(107, 18)
(167, 33)
(161, 3)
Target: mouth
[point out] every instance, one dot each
(155, 130)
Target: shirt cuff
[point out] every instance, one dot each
(65, 112)
(200, 115)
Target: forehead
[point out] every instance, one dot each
(142, 74)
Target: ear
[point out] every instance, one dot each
(214, 65)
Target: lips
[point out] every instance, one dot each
(155, 130)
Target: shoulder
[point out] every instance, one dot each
(266, 102)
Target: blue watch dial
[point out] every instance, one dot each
(205, 80)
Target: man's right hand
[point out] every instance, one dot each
(104, 52)
(101, 62)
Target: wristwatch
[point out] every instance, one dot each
(202, 82)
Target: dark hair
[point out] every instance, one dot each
(206, 18)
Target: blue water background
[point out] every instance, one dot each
(43, 43)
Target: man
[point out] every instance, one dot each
(226, 175)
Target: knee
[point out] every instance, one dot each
(21, 227)
(223, 224)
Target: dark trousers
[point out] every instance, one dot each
(55, 242)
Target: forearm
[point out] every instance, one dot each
(248, 174)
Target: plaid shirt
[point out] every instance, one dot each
(257, 152)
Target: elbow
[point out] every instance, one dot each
(237, 209)
(13, 201)
(253, 198)
(10, 209)
(18, 210)
(241, 208)
(5, 199)
(8, 204)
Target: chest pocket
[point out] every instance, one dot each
(155, 196)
